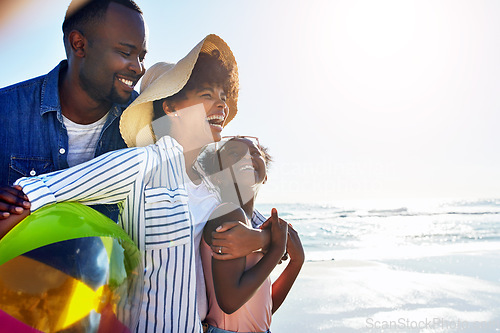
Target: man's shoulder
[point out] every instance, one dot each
(23, 97)
(29, 84)
(33, 95)
(36, 83)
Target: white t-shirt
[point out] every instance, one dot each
(82, 140)
(201, 204)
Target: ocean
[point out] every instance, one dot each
(395, 231)
(394, 266)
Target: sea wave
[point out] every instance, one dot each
(294, 212)
(391, 229)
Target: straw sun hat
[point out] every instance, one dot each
(164, 80)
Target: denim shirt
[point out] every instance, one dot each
(34, 139)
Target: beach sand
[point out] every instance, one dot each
(429, 295)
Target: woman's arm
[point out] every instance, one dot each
(239, 240)
(284, 283)
(233, 285)
(106, 179)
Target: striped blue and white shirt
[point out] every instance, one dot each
(160, 209)
(149, 185)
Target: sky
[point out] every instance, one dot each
(355, 99)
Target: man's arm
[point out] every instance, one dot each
(10, 222)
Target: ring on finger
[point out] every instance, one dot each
(220, 249)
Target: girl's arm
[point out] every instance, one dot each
(106, 179)
(284, 283)
(233, 285)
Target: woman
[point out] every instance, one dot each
(181, 107)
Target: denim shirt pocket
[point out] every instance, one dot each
(21, 166)
(167, 219)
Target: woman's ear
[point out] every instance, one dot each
(168, 107)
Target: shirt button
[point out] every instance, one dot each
(32, 172)
(62, 151)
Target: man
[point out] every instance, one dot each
(72, 114)
(105, 42)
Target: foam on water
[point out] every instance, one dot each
(367, 230)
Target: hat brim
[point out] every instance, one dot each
(164, 80)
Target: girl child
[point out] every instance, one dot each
(241, 298)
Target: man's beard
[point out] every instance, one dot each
(100, 95)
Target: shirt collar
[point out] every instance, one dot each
(50, 90)
(167, 142)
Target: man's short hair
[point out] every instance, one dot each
(81, 13)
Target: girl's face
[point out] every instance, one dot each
(246, 160)
(213, 98)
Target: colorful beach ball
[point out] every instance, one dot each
(68, 268)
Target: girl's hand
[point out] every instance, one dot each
(279, 231)
(294, 246)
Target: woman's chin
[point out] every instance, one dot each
(216, 134)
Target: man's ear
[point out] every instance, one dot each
(77, 42)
